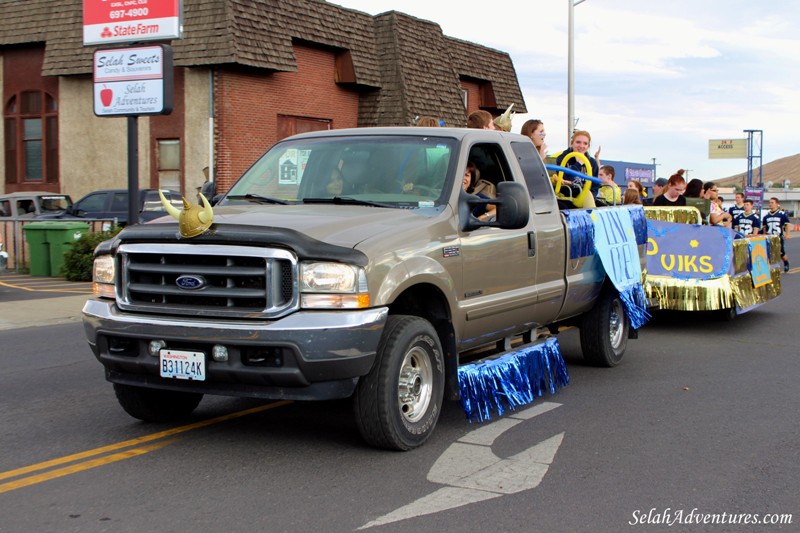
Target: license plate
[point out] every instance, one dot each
(180, 364)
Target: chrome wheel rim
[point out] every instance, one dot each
(616, 328)
(414, 390)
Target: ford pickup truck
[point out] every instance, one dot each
(353, 263)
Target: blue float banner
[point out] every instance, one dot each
(615, 244)
(688, 251)
(759, 261)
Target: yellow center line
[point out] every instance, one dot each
(137, 441)
(67, 470)
(88, 290)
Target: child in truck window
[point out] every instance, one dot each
(469, 182)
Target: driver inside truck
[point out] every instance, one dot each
(335, 185)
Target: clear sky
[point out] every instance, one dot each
(653, 78)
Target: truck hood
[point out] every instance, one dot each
(341, 225)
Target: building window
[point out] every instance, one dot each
(31, 137)
(169, 155)
(288, 125)
(169, 164)
(465, 97)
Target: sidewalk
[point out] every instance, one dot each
(41, 312)
(29, 301)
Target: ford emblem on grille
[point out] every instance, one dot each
(190, 283)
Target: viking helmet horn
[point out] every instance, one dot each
(504, 121)
(207, 214)
(171, 209)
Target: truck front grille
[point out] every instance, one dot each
(207, 280)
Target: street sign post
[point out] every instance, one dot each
(132, 81)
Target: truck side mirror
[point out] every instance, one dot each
(513, 208)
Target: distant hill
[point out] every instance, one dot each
(786, 168)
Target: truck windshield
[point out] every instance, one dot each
(384, 171)
(55, 203)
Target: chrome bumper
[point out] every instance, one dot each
(305, 355)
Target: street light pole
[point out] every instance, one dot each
(571, 68)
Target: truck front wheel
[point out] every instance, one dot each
(604, 330)
(154, 405)
(398, 403)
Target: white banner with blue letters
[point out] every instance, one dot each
(615, 244)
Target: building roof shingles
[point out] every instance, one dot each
(404, 65)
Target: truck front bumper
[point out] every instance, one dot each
(308, 355)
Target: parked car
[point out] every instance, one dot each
(35, 204)
(113, 203)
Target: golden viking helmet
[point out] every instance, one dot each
(504, 121)
(192, 219)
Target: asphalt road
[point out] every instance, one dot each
(699, 419)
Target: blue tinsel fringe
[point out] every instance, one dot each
(512, 380)
(635, 303)
(581, 233)
(639, 223)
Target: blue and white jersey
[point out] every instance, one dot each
(748, 224)
(775, 223)
(735, 212)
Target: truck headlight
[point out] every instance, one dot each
(103, 274)
(333, 286)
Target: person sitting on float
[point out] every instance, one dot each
(534, 130)
(579, 144)
(717, 217)
(609, 191)
(694, 189)
(673, 194)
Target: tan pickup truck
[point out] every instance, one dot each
(352, 263)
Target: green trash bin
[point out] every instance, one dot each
(38, 247)
(60, 236)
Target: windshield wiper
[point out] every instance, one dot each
(258, 199)
(346, 200)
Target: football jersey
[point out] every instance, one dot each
(735, 212)
(748, 224)
(774, 222)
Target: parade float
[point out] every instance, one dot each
(692, 266)
(696, 267)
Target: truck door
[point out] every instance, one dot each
(498, 293)
(548, 232)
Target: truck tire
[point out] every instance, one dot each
(398, 403)
(604, 330)
(154, 405)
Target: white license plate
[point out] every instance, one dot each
(180, 364)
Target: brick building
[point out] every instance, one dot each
(247, 73)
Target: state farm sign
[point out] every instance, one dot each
(133, 81)
(114, 21)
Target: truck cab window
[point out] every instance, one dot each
(490, 162)
(535, 174)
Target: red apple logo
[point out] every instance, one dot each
(106, 95)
